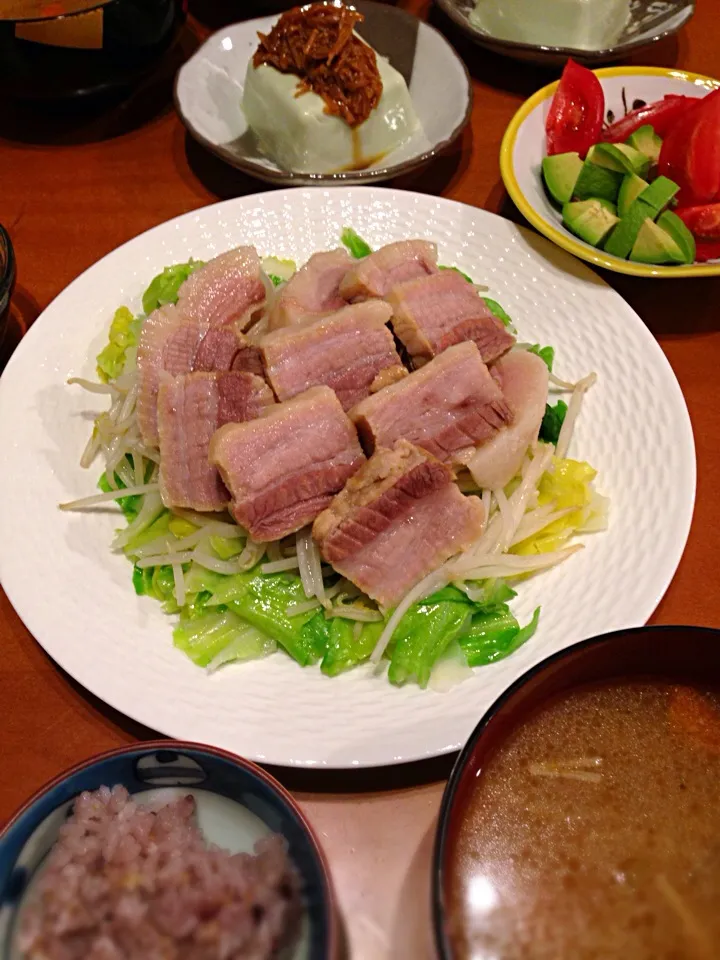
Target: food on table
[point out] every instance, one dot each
(313, 291)
(523, 379)
(628, 197)
(593, 830)
(221, 497)
(284, 467)
(661, 116)
(434, 312)
(446, 406)
(228, 289)
(319, 99)
(690, 154)
(347, 350)
(576, 113)
(376, 274)
(398, 518)
(191, 408)
(582, 24)
(138, 880)
(225, 348)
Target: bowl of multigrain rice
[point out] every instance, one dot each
(164, 850)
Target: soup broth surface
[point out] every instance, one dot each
(594, 832)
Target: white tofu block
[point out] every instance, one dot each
(585, 24)
(298, 135)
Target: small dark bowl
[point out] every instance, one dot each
(7, 277)
(112, 45)
(673, 653)
(237, 803)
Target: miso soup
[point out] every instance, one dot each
(594, 832)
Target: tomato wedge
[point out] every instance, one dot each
(576, 112)
(673, 153)
(690, 154)
(707, 250)
(661, 115)
(703, 221)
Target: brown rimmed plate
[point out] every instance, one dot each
(209, 91)
(648, 22)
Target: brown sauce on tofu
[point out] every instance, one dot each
(318, 45)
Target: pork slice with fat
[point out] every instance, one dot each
(190, 409)
(523, 378)
(450, 404)
(399, 518)
(346, 351)
(283, 468)
(433, 313)
(313, 291)
(376, 274)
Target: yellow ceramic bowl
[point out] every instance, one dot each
(523, 148)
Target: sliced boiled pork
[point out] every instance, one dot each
(228, 289)
(285, 467)
(167, 343)
(345, 350)
(224, 348)
(190, 409)
(171, 343)
(376, 274)
(397, 519)
(314, 290)
(450, 404)
(523, 378)
(432, 313)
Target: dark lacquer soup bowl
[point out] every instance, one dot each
(53, 49)
(7, 278)
(80, 864)
(582, 818)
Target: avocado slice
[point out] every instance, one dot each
(655, 245)
(595, 181)
(560, 173)
(646, 141)
(619, 157)
(591, 219)
(659, 194)
(672, 224)
(621, 240)
(630, 189)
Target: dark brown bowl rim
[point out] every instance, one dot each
(465, 755)
(257, 771)
(350, 177)
(545, 52)
(61, 16)
(7, 277)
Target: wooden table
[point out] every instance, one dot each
(72, 189)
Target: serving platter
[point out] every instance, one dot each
(77, 599)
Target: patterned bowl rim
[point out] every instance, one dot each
(329, 900)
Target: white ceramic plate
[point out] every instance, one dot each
(523, 149)
(77, 599)
(209, 92)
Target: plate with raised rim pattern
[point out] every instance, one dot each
(648, 22)
(76, 596)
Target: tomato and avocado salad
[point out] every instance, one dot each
(645, 187)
